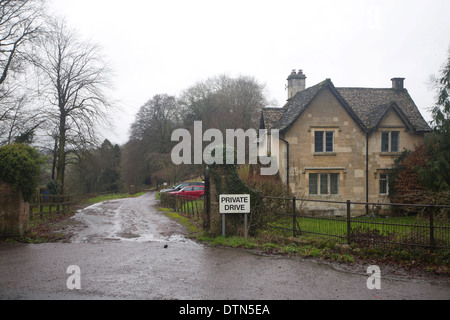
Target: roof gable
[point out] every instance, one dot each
(382, 111)
(300, 102)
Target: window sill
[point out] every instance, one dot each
(324, 154)
(390, 154)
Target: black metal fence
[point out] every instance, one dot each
(428, 228)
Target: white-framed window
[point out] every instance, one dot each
(384, 184)
(323, 141)
(324, 183)
(390, 141)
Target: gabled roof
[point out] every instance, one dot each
(365, 105)
(370, 106)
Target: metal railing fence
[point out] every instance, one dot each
(430, 228)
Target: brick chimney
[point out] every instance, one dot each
(398, 84)
(296, 83)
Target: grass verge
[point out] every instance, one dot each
(114, 196)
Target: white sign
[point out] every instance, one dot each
(234, 203)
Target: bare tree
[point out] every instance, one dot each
(20, 24)
(224, 103)
(20, 123)
(17, 27)
(149, 146)
(74, 83)
(155, 122)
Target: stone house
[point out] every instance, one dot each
(339, 143)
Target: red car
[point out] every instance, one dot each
(190, 191)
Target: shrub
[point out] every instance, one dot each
(20, 166)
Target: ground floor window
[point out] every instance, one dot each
(323, 183)
(384, 185)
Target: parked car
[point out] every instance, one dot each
(182, 185)
(195, 191)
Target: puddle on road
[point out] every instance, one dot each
(129, 220)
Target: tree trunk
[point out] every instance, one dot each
(61, 163)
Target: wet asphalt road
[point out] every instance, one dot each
(126, 249)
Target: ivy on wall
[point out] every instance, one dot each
(227, 181)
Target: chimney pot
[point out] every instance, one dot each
(398, 83)
(296, 83)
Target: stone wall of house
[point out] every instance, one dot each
(326, 113)
(379, 161)
(14, 215)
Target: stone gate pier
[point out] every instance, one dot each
(14, 212)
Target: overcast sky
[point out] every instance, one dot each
(167, 46)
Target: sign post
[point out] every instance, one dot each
(234, 203)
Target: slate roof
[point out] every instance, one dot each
(270, 117)
(367, 106)
(370, 105)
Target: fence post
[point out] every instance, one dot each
(41, 207)
(432, 240)
(58, 201)
(349, 227)
(223, 225)
(30, 212)
(50, 203)
(196, 207)
(294, 217)
(246, 225)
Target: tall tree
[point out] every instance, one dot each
(224, 103)
(74, 81)
(426, 170)
(147, 150)
(436, 172)
(96, 170)
(20, 25)
(441, 111)
(155, 122)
